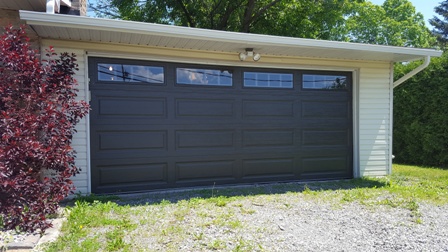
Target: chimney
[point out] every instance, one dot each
(77, 8)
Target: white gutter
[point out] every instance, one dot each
(252, 40)
(413, 72)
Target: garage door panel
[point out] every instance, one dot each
(132, 140)
(267, 109)
(211, 170)
(204, 139)
(326, 109)
(204, 108)
(324, 151)
(132, 106)
(320, 165)
(132, 173)
(268, 167)
(236, 152)
(117, 155)
(124, 126)
(268, 137)
(325, 95)
(325, 138)
(325, 123)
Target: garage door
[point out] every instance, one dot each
(157, 125)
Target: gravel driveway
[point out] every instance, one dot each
(274, 220)
(291, 222)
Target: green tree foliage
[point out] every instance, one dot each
(293, 18)
(441, 25)
(306, 19)
(396, 23)
(421, 115)
(235, 15)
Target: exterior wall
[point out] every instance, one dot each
(374, 121)
(80, 141)
(11, 17)
(371, 97)
(81, 138)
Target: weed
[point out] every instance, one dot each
(180, 214)
(307, 190)
(220, 201)
(213, 190)
(247, 211)
(95, 198)
(413, 206)
(165, 202)
(234, 224)
(170, 230)
(217, 245)
(243, 245)
(199, 236)
(115, 240)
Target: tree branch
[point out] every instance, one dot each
(254, 17)
(248, 15)
(225, 18)
(187, 14)
(212, 14)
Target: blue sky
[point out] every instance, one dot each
(426, 7)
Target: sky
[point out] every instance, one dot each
(426, 7)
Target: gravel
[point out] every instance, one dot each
(293, 223)
(319, 227)
(286, 222)
(10, 236)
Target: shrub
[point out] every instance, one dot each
(38, 112)
(421, 115)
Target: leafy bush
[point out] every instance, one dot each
(421, 115)
(38, 112)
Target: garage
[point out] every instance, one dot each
(175, 107)
(158, 125)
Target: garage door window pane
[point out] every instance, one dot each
(330, 82)
(130, 73)
(207, 77)
(267, 80)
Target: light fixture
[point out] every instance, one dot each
(249, 53)
(243, 56)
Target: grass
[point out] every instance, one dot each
(163, 221)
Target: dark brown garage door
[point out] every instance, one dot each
(156, 125)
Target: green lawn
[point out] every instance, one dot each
(114, 224)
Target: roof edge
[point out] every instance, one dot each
(39, 18)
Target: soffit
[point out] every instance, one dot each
(76, 28)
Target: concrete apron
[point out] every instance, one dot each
(33, 242)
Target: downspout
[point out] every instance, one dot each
(407, 76)
(413, 72)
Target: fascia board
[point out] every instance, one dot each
(252, 40)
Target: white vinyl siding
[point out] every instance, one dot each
(80, 138)
(374, 121)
